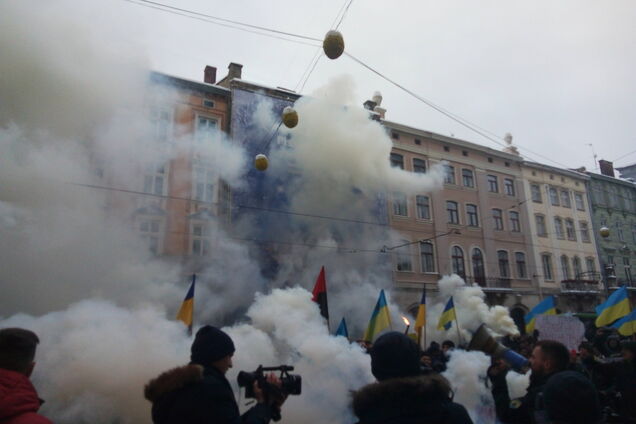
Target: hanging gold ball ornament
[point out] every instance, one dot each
(261, 162)
(333, 44)
(290, 117)
(604, 232)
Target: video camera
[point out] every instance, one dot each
(290, 383)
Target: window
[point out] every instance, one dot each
(208, 103)
(154, 179)
(471, 214)
(397, 161)
(579, 202)
(628, 269)
(149, 229)
(520, 259)
(458, 261)
(576, 267)
(509, 186)
(504, 265)
(558, 227)
(427, 257)
(565, 267)
(206, 128)
(590, 265)
(569, 229)
(634, 233)
(585, 232)
(540, 222)
(497, 216)
(161, 121)
(423, 207)
(603, 221)
(493, 185)
(565, 199)
(203, 184)
(467, 178)
(404, 257)
(399, 204)
(419, 166)
(546, 260)
(515, 225)
(453, 213)
(449, 177)
(536, 193)
(554, 196)
(619, 231)
(200, 239)
(610, 259)
(395, 136)
(479, 272)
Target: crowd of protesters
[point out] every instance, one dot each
(592, 385)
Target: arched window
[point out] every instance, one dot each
(427, 256)
(576, 265)
(504, 265)
(458, 261)
(520, 258)
(404, 262)
(479, 273)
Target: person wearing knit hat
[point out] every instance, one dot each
(403, 394)
(200, 393)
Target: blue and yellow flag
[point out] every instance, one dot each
(545, 307)
(380, 319)
(186, 313)
(616, 306)
(626, 325)
(447, 317)
(342, 329)
(420, 320)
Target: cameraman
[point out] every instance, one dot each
(199, 392)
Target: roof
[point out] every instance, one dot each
(609, 179)
(188, 84)
(276, 92)
(451, 140)
(567, 172)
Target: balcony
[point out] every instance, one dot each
(581, 286)
(491, 283)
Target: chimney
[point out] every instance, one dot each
(234, 71)
(607, 167)
(209, 74)
(369, 104)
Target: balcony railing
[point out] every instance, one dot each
(490, 282)
(580, 286)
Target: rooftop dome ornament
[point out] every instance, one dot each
(333, 44)
(290, 117)
(261, 162)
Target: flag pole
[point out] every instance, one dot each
(194, 278)
(459, 337)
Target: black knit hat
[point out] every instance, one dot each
(571, 398)
(394, 355)
(210, 344)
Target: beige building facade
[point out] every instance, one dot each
(563, 242)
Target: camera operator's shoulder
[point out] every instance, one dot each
(173, 380)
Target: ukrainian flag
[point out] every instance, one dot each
(616, 306)
(380, 319)
(447, 317)
(420, 320)
(626, 325)
(186, 313)
(545, 307)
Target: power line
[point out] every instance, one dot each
(625, 155)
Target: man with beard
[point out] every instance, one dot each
(548, 357)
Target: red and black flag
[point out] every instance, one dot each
(320, 294)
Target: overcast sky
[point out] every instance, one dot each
(558, 75)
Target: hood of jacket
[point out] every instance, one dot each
(172, 380)
(17, 395)
(401, 400)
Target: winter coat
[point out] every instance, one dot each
(193, 394)
(19, 401)
(409, 400)
(522, 410)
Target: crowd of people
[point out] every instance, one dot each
(592, 385)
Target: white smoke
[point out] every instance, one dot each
(517, 383)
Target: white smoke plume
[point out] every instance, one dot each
(517, 383)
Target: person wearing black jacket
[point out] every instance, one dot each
(199, 393)
(402, 394)
(548, 357)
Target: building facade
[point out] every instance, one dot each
(614, 206)
(562, 238)
(476, 226)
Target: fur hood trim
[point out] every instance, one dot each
(172, 380)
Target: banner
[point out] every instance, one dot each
(566, 329)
